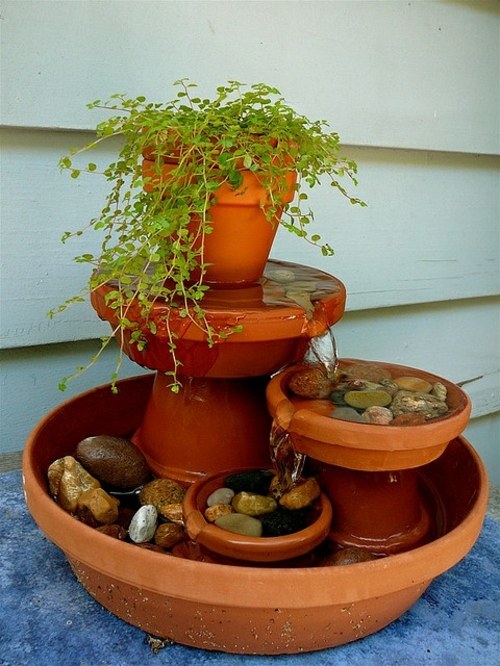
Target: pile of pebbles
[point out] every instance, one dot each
(108, 485)
(251, 503)
(369, 393)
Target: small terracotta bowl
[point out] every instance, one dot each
(241, 547)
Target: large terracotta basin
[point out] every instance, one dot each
(245, 609)
(365, 446)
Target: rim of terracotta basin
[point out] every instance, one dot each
(366, 446)
(241, 547)
(264, 587)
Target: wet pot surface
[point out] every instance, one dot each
(244, 609)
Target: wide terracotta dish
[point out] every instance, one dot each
(243, 609)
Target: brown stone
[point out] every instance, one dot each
(311, 382)
(168, 535)
(368, 371)
(351, 555)
(161, 492)
(214, 512)
(410, 419)
(114, 461)
(96, 507)
(67, 481)
(301, 495)
(116, 531)
(172, 512)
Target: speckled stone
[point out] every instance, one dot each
(311, 382)
(369, 371)
(377, 415)
(251, 504)
(409, 401)
(143, 525)
(160, 492)
(212, 513)
(238, 523)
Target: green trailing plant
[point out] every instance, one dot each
(149, 250)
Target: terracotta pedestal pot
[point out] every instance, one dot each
(371, 470)
(219, 419)
(242, 235)
(245, 609)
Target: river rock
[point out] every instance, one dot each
(377, 415)
(221, 496)
(116, 531)
(369, 371)
(311, 382)
(172, 512)
(347, 414)
(368, 398)
(409, 419)
(212, 513)
(161, 492)
(409, 401)
(440, 391)
(143, 525)
(238, 523)
(96, 507)
(301, 495)
(167, 535)
(350, 555)
(114, 461)
(67, 481)
(251, 504)
(413, 384)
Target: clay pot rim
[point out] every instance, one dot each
(254, 549)
(334, 584)
(303, 421)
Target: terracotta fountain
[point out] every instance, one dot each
(413, 496)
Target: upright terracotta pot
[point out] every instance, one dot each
(236, 251)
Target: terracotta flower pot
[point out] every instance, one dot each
(240, 547)
(237, 249)
(243, 609)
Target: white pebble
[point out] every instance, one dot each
(143, 524)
